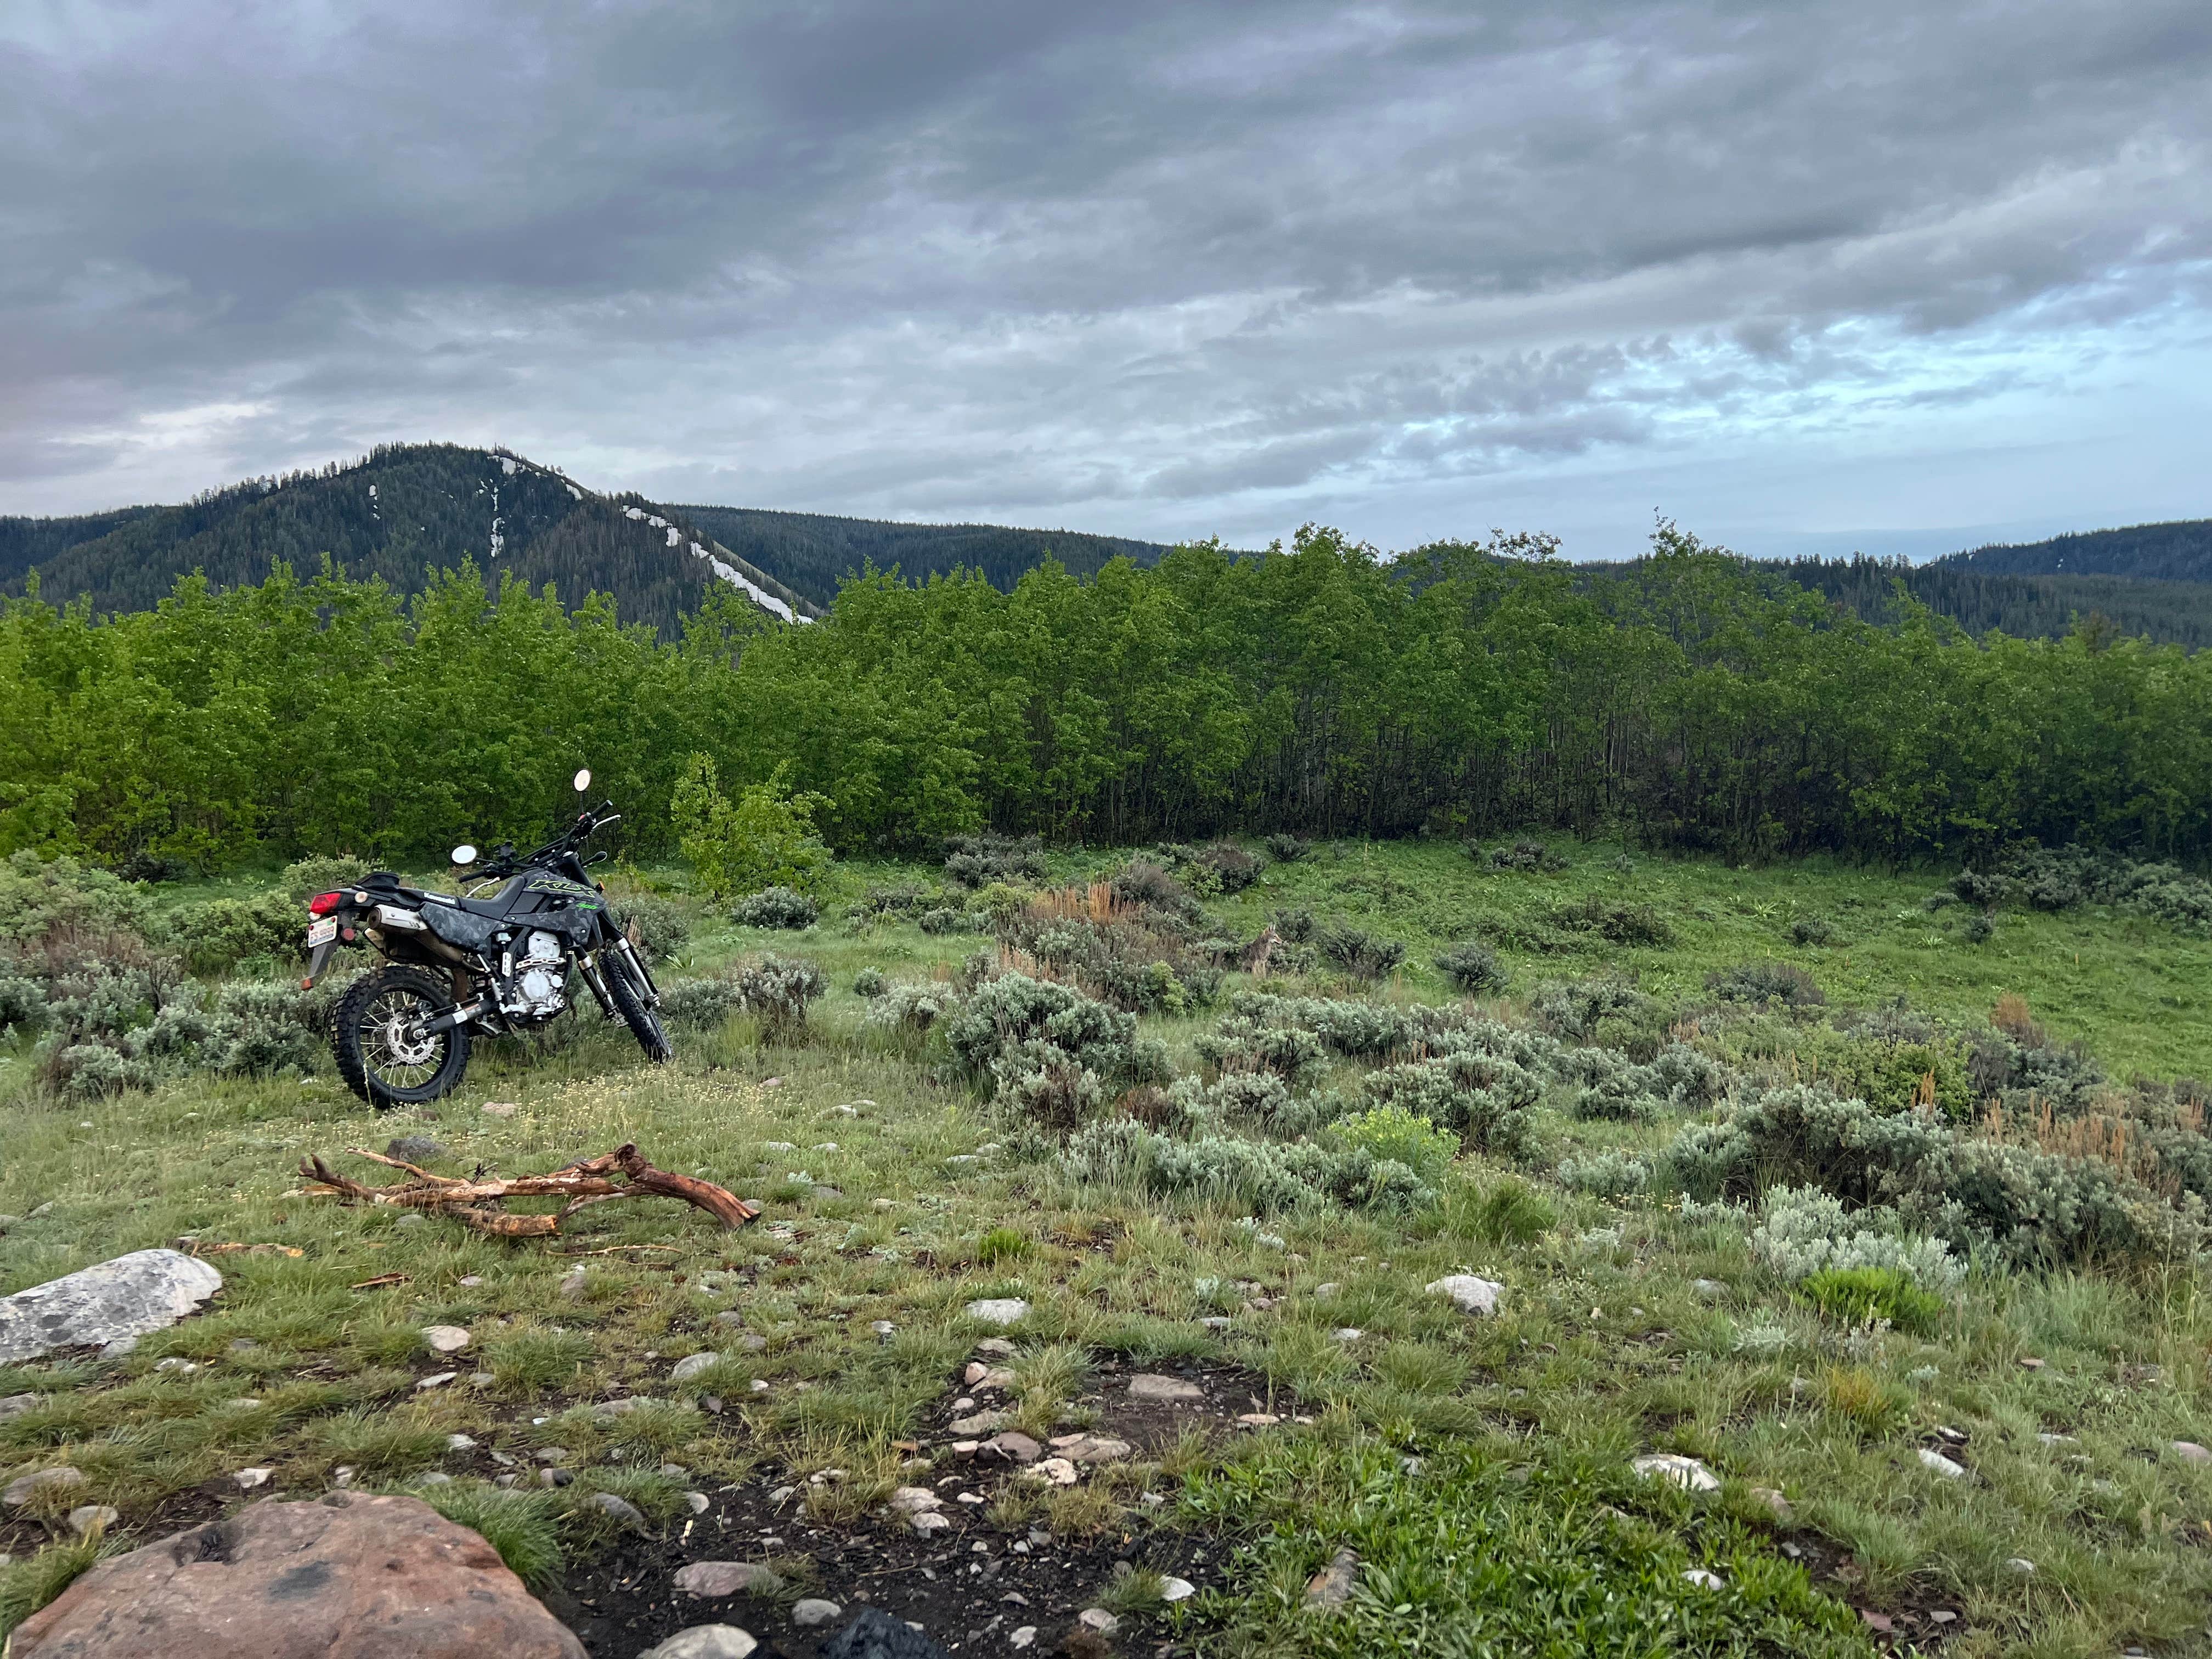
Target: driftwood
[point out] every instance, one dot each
(474, 1201)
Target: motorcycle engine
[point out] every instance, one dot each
(540, 980)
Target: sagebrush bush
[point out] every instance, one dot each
(912, 1010)
(1263, 1177)
(1005, 1014)
(42, 897)
(1485, 1098)
(894, 899)
(1807, 1232)
(779, 990)
(1126, 960)
(321, 872)
(1359, 954)
(1146, 885)
(255, 1029)
(1605, 1173)
(776, 906)
(1576, 1008)
(656, 926)
(1615, 923)
(1472, 968)
(976, 861)
(1241, 1043)
(1286, 848)
(1812, 929)
(870, 982)
(1783, 982)
(219, 933)
(1295, 924)
(947, 919)
(22, 1005)
(700, 1003)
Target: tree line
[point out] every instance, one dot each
(1464, 688)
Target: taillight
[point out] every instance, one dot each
(322, 903)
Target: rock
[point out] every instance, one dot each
(982, 1423)
(1217, 1322)
(43, 1486)
(1474, 1295)
(446, 1338)
(2028, 1362)
(552, 1478)
(128, 1296)
(1686, 1472)
(1774, 1501)
(435, 1380)
(1053, 1471)
(502, 1107)
(1346, 1333)
(1937, 1463)
(16, 1405)
(998, 1310)
(997, 1345)
(182, 1367)
(368, 1577)
(883, 1328)
(1258, 1419)
(2020, 1566)
(927, 1521)
(249, 1479)
(571, 1283)
(417, 1149)
(1703, 1579)
(705, 1642)
(1176, 1589)
(1099, 1619)
(874, 1634)
(712, 1579)
(1012, 1446)
(460, 1443)
(1709, 1290)
(2190, 1452)
(2059, 1439)
(1022, 1636)
(620, 1510)
(810, 1611)
(613, 1408)
(691, 1365)
(910, 1500)
(1332, 1586)
(1331, 1287)
(1093, 1448)
(1147, 1385)
(92, 1518)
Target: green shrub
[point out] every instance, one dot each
(700, 1003)
(779, 990)
(1472, 968)
(658, 926)
(1575, 1009)
(1146, 885)
(1806, 1231)
(1812, 930)
(1485, 1098)
(870, 982)
(1360, 954)
(1605, 1174)
(1014, 1009)
(1241, 1044)
(765, 838)
(1859, 1296)
(1001, 1244)
(1617, 924)
(22, 1005)
(776, 906)
(41, 899)
(910, 1009)
(1393, 1133)
(945, 919)
(975, 861)
(1979, 928)
(1782, 983)
(321, 872)
(1260, 1177)
(220, 934)
(1286, 848)
(256, 1028)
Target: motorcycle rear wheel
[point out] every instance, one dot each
(374, 1055)
(629, 1002)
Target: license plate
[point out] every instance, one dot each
(321, 933)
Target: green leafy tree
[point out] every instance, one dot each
(764, 838)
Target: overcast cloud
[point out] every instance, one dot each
(1800, 275)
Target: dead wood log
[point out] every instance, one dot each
(474, 1201)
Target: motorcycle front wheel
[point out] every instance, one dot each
(378, 1058)
(630, 1003)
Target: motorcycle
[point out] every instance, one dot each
(500, 960)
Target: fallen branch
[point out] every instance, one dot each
(474, 1201)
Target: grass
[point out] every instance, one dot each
(1478, 1467)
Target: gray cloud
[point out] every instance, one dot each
(1160, 269)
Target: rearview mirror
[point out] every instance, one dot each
(465, 853)
(583, 779)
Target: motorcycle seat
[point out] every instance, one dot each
(495, 907)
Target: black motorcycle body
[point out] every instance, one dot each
(498, 962)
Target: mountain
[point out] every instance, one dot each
(812, 551)
(400, 512)
(2180, 551)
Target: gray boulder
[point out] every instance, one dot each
(145, 1292)
(874, 1634)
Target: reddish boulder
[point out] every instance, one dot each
(342, 1577)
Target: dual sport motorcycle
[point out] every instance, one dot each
(499, 961)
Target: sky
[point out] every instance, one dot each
(1803, 276)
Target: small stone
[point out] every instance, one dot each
(249, 1479)
(1774, 1501)
(460, 1443)
(997, 1345)
(1258, 1419)
(1936, 1463)
(446, 1338)
(810, 1611)
(471, 1280)
(705, 1642)
(691, 1365)
(982, 1424)
(1093, 1448)
(998, 1310)
(1332, 1586)
(2058, 1439)
(963, 1404)
(1703, 1579)
(1099, 1619)
(825, 1146)
(772, 1083)
(697, 1502)
(92, 1518)
(1176, 1589)
(1217, 1322)
(883, 1328)
(16, 1405)
(1709, 1290)
(1022, 1637)
(502, 1107)
(1943, 1616)
(927, 1521)
(2020, 1566)
(1687, 1473)
(343, 1475)
(2190, 1452)
(412, 1219)
(1012, 1446)
(435, 1478)
(417, 1149)
(1474, 1295)
(1327, 1290)
(711, 1580)
(551, 1477)
(970, 1497)
(1346, 1333)
(1053, 1471)
(2029, 1364)
(758, 1385)
(620, 1510)
(437, 1380)
(121, 1347)
(572, 1285)
(912, 1500)
(1147, 1385)
(180, 1367)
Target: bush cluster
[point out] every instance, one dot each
(1286, 848)
(1487, 1099)
(700, 1002)
(976, 861)
(1523, 854)
(1050, 1051)
(656, 926)
(1807, 1232)
(1127, 960)
(1783, 982)
(1359, 954)
(911, 1010)
(1472, 968)
(1263, 1178)
(778, 989)
(1222, 868)
(776, 907)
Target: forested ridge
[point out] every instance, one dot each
(2177, 551)
(1319, 689)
